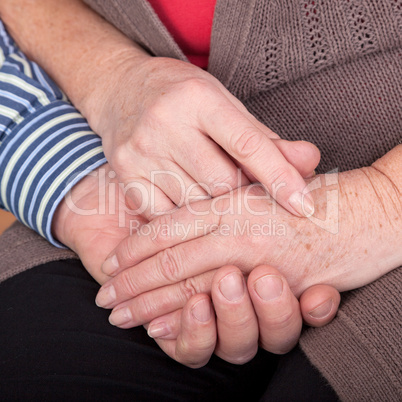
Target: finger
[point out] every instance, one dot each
(277, 309)
(178, 185)
(236, 320)
(167, 326)
(167, 267)
(197, 339)
(141, 197)
(309, 148)
(253, 149)
(162, 233)
(319, 305)
(303, 155)
(219, 177)
(155, 303)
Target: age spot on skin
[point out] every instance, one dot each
(365, 251)
(308, 246)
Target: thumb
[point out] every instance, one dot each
(319, 305)
(303, 155)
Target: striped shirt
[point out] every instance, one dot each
(46, 146)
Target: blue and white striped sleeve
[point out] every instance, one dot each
(46, 146)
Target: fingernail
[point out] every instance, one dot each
(311, 175)
(201, 311)
(269, 287)
(158, 330)
(105, 296)
(322, 310)
(110, 266)
(120, 316)
(232, 287)
(302, 203)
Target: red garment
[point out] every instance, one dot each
(190, 24)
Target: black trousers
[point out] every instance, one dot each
(57, 345)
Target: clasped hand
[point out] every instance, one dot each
(162, 122)
(260, 309)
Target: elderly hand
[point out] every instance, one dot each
(262, 313)
(93, 219)
(158, 269)
(88, 222)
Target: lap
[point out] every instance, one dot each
(57, 342)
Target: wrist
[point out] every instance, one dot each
(352, 239)
(79, 52)
(365, 243)
(68, 211)
(98, 104)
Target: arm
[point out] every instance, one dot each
(365, 221)
(143, 107)
(69, 41)
(45, 144)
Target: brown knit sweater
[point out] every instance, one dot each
(324, 71)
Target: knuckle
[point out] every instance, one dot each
(194, 353)
(120, 158)
(158, 110)
(163, 234)
(285, 320)
(242, 358)
(279, 176)
(281, 347)
(240, 324)
(169, 265)
(143, 145)
(188, 288)
(192, 362)
(222, 181)
(195, 86)
(246, 144)
(147, 310)
(127, 283)
(127, 254)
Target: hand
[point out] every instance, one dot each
(196, 240)
(93, 219)
(88, 223)
(163, 121)
(156, 113)
(264, 313)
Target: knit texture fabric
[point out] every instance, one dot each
(360, 352)
(21, 249)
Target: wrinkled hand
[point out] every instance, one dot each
(262, 313)
(171, 124)
(93, 219)
(89, 222)
(158, 269)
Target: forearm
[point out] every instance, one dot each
(45, 144)
(385, 176)
(74, 45)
